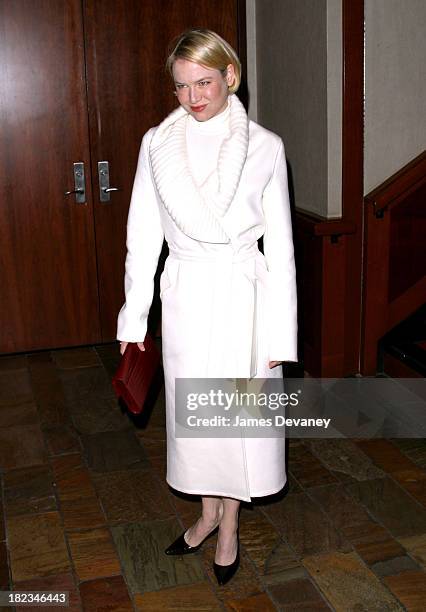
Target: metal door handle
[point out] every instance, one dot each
(104, 188)
(79, 183)
(74, 191)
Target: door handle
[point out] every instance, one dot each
(104, 188)
(79, 183)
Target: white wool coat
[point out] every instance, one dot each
(227, 309)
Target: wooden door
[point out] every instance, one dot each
(74, 73)
(129, 92)
(48, 282)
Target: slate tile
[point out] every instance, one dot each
(85, 357)
(188, 507)
(154, 448)
(13, 362)
(72, 477)
(48, 391)
(113, 450)
(348, 584)
(141, 550)
(394, 566)
(385, 455)
(108, 351)
(293, 485)
(106, 594)
(22, 445)
(341, 508)
(298, 594)
(159, 464)
(37, 546)
(372, 542)
(391, 505)
(344, 459)
(409, 588)
(151, 432)
(306, 468)
(22, 414)
(414, 449)
(273, 559)
(297, 518)
(250, 604)
(58, 582)
(85, 382)
(15, 388)
(92, 415)
(110, 357)
(80, 506)
(416, 546)
(197, 597)
(132, 496)
(29, 490)
(413, 481)
(93, 554)
(61, 440)
(82, 513)
(110, 366)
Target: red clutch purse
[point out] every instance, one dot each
(135, 374)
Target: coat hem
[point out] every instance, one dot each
(222, 494)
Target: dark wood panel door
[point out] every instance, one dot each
(129, 92)
(48, 283)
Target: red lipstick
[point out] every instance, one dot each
(198, 109)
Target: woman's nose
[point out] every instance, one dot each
(194, 95)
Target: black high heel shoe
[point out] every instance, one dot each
(181, 547)
(224, 573)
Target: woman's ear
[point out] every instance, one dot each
(230, 75)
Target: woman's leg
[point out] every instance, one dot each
(227, 543)
(211, 515)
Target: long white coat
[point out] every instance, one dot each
(227, 310)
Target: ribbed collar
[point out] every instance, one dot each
(197, 211)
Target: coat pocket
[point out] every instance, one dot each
(168, 277)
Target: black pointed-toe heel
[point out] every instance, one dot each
(181, 547)
(224, 573)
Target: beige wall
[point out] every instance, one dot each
(395, 86)
(251, 58)
(298, 81)
(295, 82)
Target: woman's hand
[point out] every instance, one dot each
(273, 364)
(123, 346)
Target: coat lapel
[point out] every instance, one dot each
(197, 211)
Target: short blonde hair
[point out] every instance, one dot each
(208, 49)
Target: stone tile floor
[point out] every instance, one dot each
(85, 508)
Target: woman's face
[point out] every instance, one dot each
(203, 92)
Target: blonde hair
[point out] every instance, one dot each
(208, 49)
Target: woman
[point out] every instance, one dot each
(212, 182)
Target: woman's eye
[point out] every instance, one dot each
(204, 83)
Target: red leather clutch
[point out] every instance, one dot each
(135, 374)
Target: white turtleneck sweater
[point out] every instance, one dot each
(204, 139)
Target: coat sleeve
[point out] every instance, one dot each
(279, 255)
(144, 242)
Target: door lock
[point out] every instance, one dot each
(79, 183)
(104, 188)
